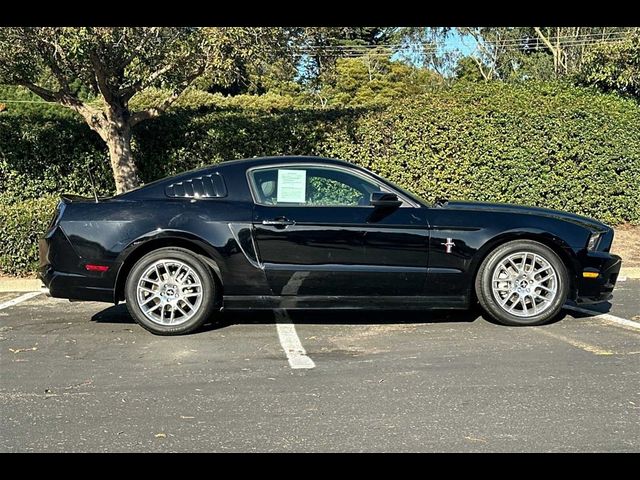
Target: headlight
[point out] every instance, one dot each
(594, 239)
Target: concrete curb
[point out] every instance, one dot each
(630, 272)
(8, 284)
(20, 284)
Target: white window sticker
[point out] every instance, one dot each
(292, 186)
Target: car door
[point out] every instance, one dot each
(317, 233)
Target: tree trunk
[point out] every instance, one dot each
(118, 139)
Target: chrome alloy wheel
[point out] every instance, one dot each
(524, 284)
(169, 292)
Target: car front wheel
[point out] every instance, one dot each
(170, 291)
(522, 282)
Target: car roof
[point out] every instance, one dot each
(275, 160)
(157, 187)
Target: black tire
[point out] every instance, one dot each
(203, 312)
(488, 297)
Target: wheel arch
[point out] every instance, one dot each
(139, 248)
(556, 244)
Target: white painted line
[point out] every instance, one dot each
(296, 354)
(604, 316)
(19, 299)
(587, 347)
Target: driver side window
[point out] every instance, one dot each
(311, 186)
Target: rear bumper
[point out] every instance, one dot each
(600, 288)
(74, 286)
(61, 271)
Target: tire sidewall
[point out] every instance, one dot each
(209, 290)
(485, 275)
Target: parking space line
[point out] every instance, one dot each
(296, 354)
(604, 316)
(20, 299)
(587, 347)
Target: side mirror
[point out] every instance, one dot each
(384, 199)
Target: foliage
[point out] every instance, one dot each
(75, 65)
(129, 59)
(21, 225)
(467, 69)
(183, 140)
(45, 149)
(614, 67)
(372, 80)
(323, 46)
(534, 144)
(545, 144)
(536, 53)
(326, 191)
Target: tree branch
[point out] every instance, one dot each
(44, 93)
(153, 112)
(101, 77)
(128, 92)
(94, 117)
(479, 64)
(545, 40)
(555, 51)
(148, 33)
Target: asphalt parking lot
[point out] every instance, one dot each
(84, 377)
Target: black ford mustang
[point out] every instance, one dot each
(304, 232)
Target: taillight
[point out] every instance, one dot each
(96, 268)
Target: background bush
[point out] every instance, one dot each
(535, 144)
(21, 225)
(552, 146)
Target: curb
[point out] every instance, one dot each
(629, 272)
(20, 284)
(8, 284)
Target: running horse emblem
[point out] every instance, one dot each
(449, 244)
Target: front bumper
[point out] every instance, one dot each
(598, 289)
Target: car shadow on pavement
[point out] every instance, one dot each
(596, 308)
(119, 314)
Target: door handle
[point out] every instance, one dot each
(279, 222)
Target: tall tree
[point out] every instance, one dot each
(372, 80)
(321, 47)
(275, 69)
(614, 67)
(541, 52)
(114, 64)
(425, 47)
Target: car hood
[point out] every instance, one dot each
(521, 209)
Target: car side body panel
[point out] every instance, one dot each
(425, 256)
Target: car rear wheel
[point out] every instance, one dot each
(522, 283)
(170, 291)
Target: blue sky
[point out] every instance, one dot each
(462, 45)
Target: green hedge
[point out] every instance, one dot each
(534, 143)
(552, 146)
(21, 225)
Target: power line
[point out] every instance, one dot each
(518, 44)
(510, 42)
(429, 48)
